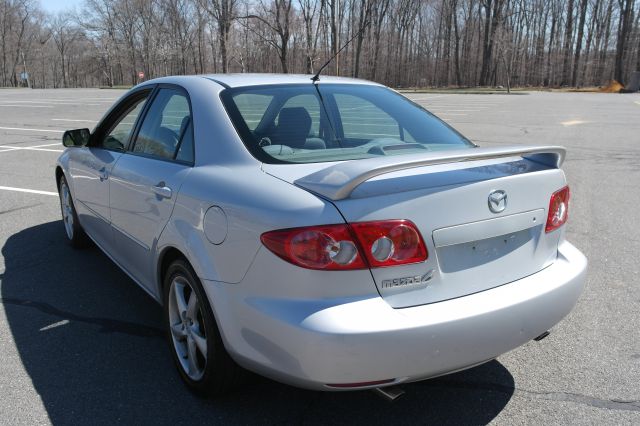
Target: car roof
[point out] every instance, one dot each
(246, 80)
(243, 80)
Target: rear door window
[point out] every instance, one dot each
(166, 131)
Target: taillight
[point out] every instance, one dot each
(558, 209)
(316, 247)
(355, 246)
(390, 242)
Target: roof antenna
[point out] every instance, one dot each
(316, 77)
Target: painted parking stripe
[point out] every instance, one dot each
(31, 146)
(47, 144)
(25, 106)
(48, 105)
(453, 110)
(47, 102)
(572, 122)
(460, 105)
(25, 129)
(30, 191)
(24, 148)
(7, 148)
(55, 324)
(74, 120)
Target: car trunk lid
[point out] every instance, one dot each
(472, 246)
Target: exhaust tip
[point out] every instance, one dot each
(390, 393)
(542, 336)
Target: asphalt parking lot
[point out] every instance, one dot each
(81, 344)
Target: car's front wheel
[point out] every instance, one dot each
(195, 340)
(75, 234)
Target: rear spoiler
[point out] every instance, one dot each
(338, 182)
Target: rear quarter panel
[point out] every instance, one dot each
(253, 203)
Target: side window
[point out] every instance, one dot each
(119, 135)
(185, 152)
(166, 131)
(363, 121)
(312, 106)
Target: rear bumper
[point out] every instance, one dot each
(311, 343)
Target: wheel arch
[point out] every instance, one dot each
(59, 174)
(167, 256)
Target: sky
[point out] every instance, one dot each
(58, 5)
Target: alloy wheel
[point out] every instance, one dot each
(188, 332)
(67, 209)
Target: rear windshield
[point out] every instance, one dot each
(332, 122)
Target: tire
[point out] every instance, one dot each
(75, 234)
(187, 323)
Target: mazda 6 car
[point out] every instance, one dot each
(329, 234)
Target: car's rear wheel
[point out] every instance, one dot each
(196, 344)
(75, 234)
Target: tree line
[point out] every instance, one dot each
(401, 43)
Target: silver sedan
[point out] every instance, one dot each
(328, 234)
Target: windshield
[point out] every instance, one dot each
(331, 122)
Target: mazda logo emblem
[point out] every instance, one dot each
(497, 201)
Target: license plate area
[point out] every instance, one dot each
(498, 227)
(474, 253)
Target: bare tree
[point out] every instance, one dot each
(397, 42)
(624, 29)
(63, 34)
(311, 12)
(224, 12)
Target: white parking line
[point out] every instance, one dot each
(30, 191)
(48, 101)
(25, 129)
(461, 105)
(465, 102)
(24, 148)
(453, 110)
(47, 144)
(46, 104)
(7, 148)
(25, 106)
(55, 324)
(572, 122)
(423, 96)
(69, 99)
(71, 119)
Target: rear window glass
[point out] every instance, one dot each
(331, 122)
(311, 105)
(363, 120)
(252, 107)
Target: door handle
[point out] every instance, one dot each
(103, 174)
(162, 190)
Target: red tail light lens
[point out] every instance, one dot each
(390, 242)
(558, 209)
(316, 247)
(343, 247)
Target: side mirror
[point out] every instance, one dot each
(77, 137)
